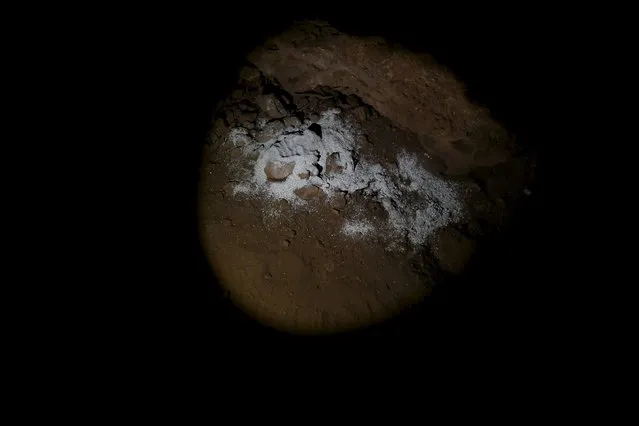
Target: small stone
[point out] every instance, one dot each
(333, 164)
(247, 116)
(271, 106)
(338, 201)
(315, 117)
(304, 175)
(309, 192)
(249, 73)
(284, 205)
(246, 105)
(229, 117)
(268, 276)
(292, 122)
(360, 113)
(278, 170)
(261, 122)
(286, 243)
(271, 131)
(329, 104)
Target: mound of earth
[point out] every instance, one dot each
(344, 178)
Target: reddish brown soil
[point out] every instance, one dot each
(295, 271)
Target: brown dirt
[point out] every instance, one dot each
(294, 270)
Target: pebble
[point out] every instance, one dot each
(333, 164)
(360, 113)
(271, 106)
(292, 122)
(338, 202)
(248, 116)
(270, 131)
(249, 73)
(309, 192)
(278, 170)
(286, 243)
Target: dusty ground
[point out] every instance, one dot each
(289, 262)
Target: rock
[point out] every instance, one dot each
(271, 107)
(361, 113)
(304, 175)
(246, 105)
(338, 202)
(250, 74)
(271, 130)
(453, 250)
(329, 104)
(333, 164)
(310, 192)
(229, 117)
(410, 89)
(247, 116)
(285, 243)
(352, 101)
(292, 122)
(315, 117)
(278, 170)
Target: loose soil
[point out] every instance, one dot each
(298, 241)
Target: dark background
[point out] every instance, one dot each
(176, 66)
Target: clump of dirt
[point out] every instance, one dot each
(330, 200)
